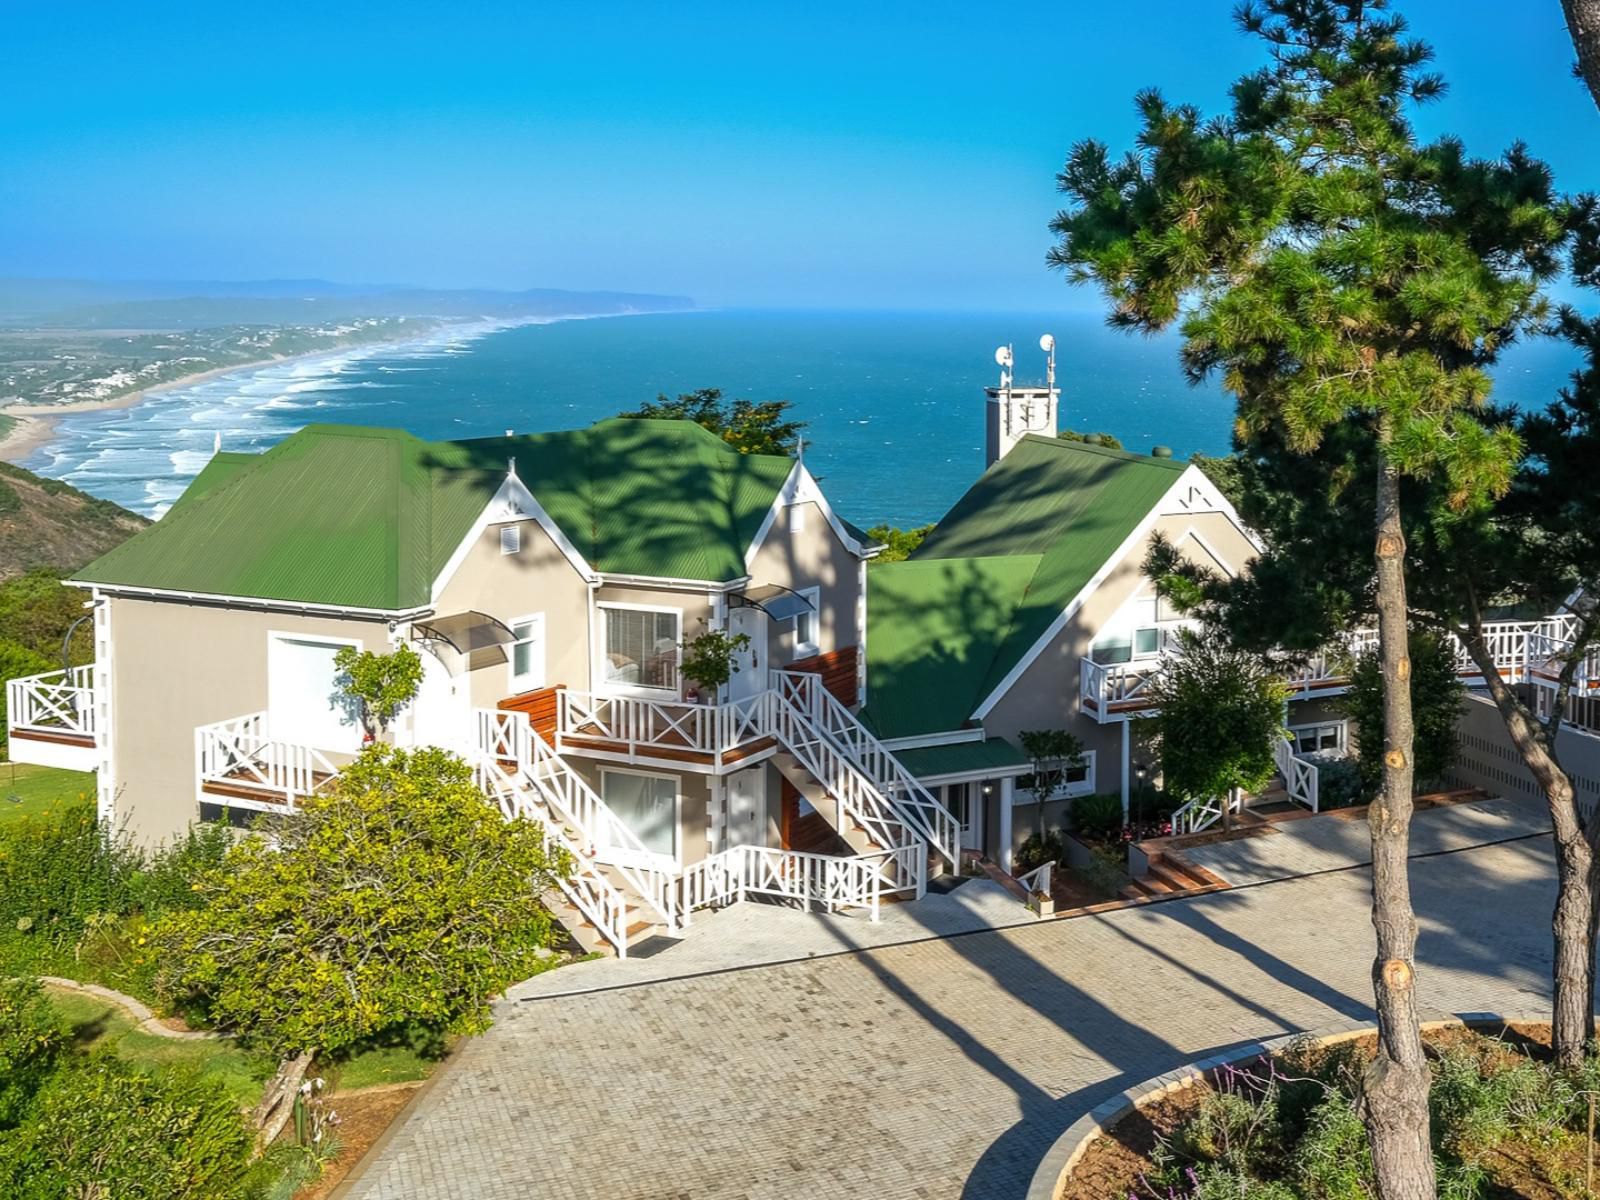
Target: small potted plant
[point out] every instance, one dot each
(709, 661)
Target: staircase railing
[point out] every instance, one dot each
(1202, 813)
(242, 751)
(509, 737)
(834, 883)
(858, 798)
(911, 802)
(590, 892)
(1299, 774)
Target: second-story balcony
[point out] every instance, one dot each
(52, 720)
(716, 738)
(240, 764)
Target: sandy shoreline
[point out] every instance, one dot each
(36, 423)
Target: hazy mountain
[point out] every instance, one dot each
(46, 523)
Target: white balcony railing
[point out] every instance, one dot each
(635, 727)
(239, 761)
(57, 703)
(829, 882)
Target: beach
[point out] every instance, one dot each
(35, 424)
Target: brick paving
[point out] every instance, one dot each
(935, 1069)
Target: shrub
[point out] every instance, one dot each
(59, 868)
(102, 1128)
(31, 1039)
(1436, 696)
(400, 895)
(1036, 852)
(1097, 818)
(1338, 783)
(1333, 1159)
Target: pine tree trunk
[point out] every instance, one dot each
(1574, 919)
(1583, 23)
(1395, 1091)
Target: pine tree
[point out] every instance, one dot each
(1339, 276)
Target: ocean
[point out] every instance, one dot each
(893, 402)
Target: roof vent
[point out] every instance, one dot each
(1160, 451)
(510, 539)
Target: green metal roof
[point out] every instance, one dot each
(367, 518)
(946, 626)
(963, 758)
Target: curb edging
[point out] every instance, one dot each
(1065, 1152)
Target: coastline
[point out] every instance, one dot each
(35, 424)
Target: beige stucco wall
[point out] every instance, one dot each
(813, 557)
(180, 665)
(539, 578)
(1046, 694)
(694, 799)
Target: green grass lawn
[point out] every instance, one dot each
(26, 790)
(100, 1025)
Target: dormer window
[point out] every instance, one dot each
(510, 539)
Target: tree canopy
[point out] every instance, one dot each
(400, 896)
(749, 426)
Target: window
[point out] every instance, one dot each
(510, 539)
(647, 805)
(808, 625)
(641, 647)
(1112, 648)
(1146, 642)
(1079, 782)
(1311, 739)
(527, 653)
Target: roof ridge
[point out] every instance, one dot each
(1128, 456)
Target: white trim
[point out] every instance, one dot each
(975, 776)
(105, 716)
(511, 502)
(1069, 790)
(672, 583)
(810, 649)
(1194, 492)
(675, 859)
(1192, 532)
(861, 633)
(516, 683)
(953, 738)
(800, 488)
(1342, 724)
(604, 686)
(1192, 481)
(222, 599)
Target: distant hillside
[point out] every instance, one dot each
(46, 523)
(73, 304)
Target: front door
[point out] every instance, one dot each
(750, 677)
(442, 715)
(965, 802)
(747, 807)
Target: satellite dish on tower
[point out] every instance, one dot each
(1002, 356)
(1047, 343)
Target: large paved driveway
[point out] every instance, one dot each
(940, 1068)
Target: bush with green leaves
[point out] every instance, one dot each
(1437, 694)
(1035, 852)
(381, 684)
(1333, 1159)
(401, 895)
(31, 1039)
(1096, 818)
(59, 868)
(101, 1128)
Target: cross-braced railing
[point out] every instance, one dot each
(911, 802)
(590, 892)
(509, 738)
(56, 702)
(242, 753)
(827, 881)
(637, 727)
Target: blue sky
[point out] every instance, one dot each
(843, 155)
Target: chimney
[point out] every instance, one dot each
(1017, 409)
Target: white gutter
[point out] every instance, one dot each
(261, 602)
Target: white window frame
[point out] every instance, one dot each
(803, 648)
(1341, 726)
(639, 690)
(537, 678)
(1067, 791)
(651, 859)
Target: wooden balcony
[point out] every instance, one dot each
(238, 764)
(51, 719)
(710, 738)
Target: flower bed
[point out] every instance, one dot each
(1281, 1124)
